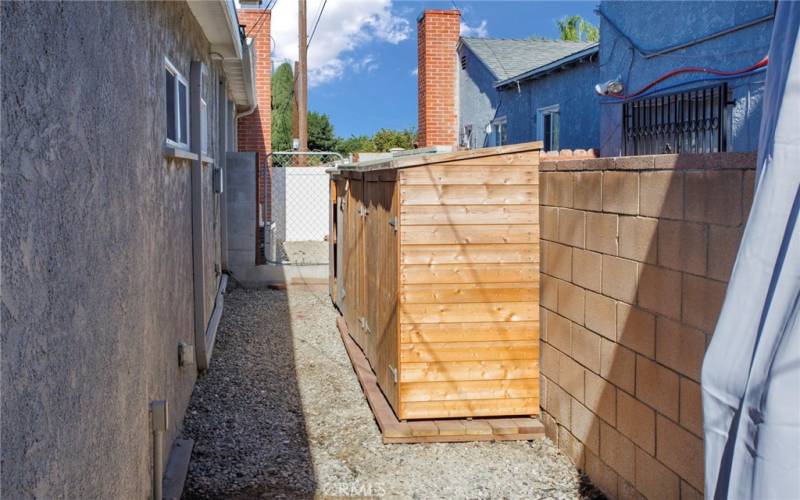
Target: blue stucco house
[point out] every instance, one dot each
(512, 91)
(699, 111)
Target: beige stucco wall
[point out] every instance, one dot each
(636, 253)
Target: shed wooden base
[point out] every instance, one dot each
(431, 431)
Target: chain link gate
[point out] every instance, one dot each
(297, 232)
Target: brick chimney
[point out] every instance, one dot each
(437, 38)
(254, 131)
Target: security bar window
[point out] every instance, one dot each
(177, 94)
(692, 121)
(548, 127)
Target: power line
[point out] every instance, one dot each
(321, 10)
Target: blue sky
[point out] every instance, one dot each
(364, 53)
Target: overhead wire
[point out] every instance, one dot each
(316, 23)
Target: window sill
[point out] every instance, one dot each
(179, 153)
(207, 159)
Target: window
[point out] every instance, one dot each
(692, 121)
(547, 127)
(177, 93)
(466, 137)
(500, 131)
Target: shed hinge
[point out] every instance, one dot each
(393, 370)
(393, 223)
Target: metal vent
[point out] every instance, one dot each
(463, 62)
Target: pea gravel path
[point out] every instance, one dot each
(280, 414)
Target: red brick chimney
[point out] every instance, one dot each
(437, 38)
(254, 131)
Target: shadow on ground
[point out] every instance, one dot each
(246, 415)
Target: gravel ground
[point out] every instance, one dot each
(280, 414)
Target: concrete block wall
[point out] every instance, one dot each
(636, 253)
(255, 130)
(437, 39)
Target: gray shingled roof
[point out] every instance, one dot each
(507, 58)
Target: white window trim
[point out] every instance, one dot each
(179, 78)
(501, 120)
(555, 108)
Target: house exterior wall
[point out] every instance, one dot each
(636, 254)
(477, 97)
(255, 129)
(653, 26)
(96, 248)
(571, 90)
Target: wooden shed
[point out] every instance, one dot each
(435, 269)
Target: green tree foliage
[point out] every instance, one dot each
(577, 29)
(355, 144)
(320, 132)
(386, 139)
(282, 90)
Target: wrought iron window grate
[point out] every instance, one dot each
(693, 121)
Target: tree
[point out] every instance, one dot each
(320, 132)
(577, 29)
(355, 144)
(282, 90)
(386, 139)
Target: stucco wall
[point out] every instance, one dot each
(96, 247)
(636, 254)
(477, 99)
(657, 25)
(572, 90)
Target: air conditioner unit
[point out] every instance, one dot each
(270, 243)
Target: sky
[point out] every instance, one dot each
(363, 56)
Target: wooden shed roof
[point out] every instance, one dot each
(427, 158)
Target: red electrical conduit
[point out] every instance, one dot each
(691, 69)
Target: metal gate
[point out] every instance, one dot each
(297, 232)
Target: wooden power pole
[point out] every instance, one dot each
(302, 77)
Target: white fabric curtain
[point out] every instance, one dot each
(751, 372)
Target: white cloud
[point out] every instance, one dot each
(415, 72)
(345, 26)
(479, 31)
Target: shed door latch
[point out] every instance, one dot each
(394, 373)
(393, 223)
(364, 325)
(362, 211)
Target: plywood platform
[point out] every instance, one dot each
(431, 431)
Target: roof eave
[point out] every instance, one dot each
(541, 70)
(479, 58)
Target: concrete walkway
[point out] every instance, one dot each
(280, 414)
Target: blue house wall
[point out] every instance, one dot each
(571, 90)
(477, 98)
(653, 26)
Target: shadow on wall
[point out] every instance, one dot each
(251, 138)
(636, 255)
(246, 414)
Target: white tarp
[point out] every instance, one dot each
(751, 373)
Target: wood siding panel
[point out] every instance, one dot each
(470, 351)
(426, 215)
(469, 370)
(474, 312)
(472, 234)
(469, 408)
(510, 175)
(469, 292)
(469, 195)
(470, 254)
(468, 332)
(470, 273)
(455, 390)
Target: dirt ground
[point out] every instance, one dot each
(280, 414)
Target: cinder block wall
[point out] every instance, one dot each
(636, 253)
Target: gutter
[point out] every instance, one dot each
(232, 19)
(548, 68)
(249, 69)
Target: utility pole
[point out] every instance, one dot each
(302, 77)
(295, 115)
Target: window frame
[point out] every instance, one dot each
(554, 109)
(179, 79)
(498, 124)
